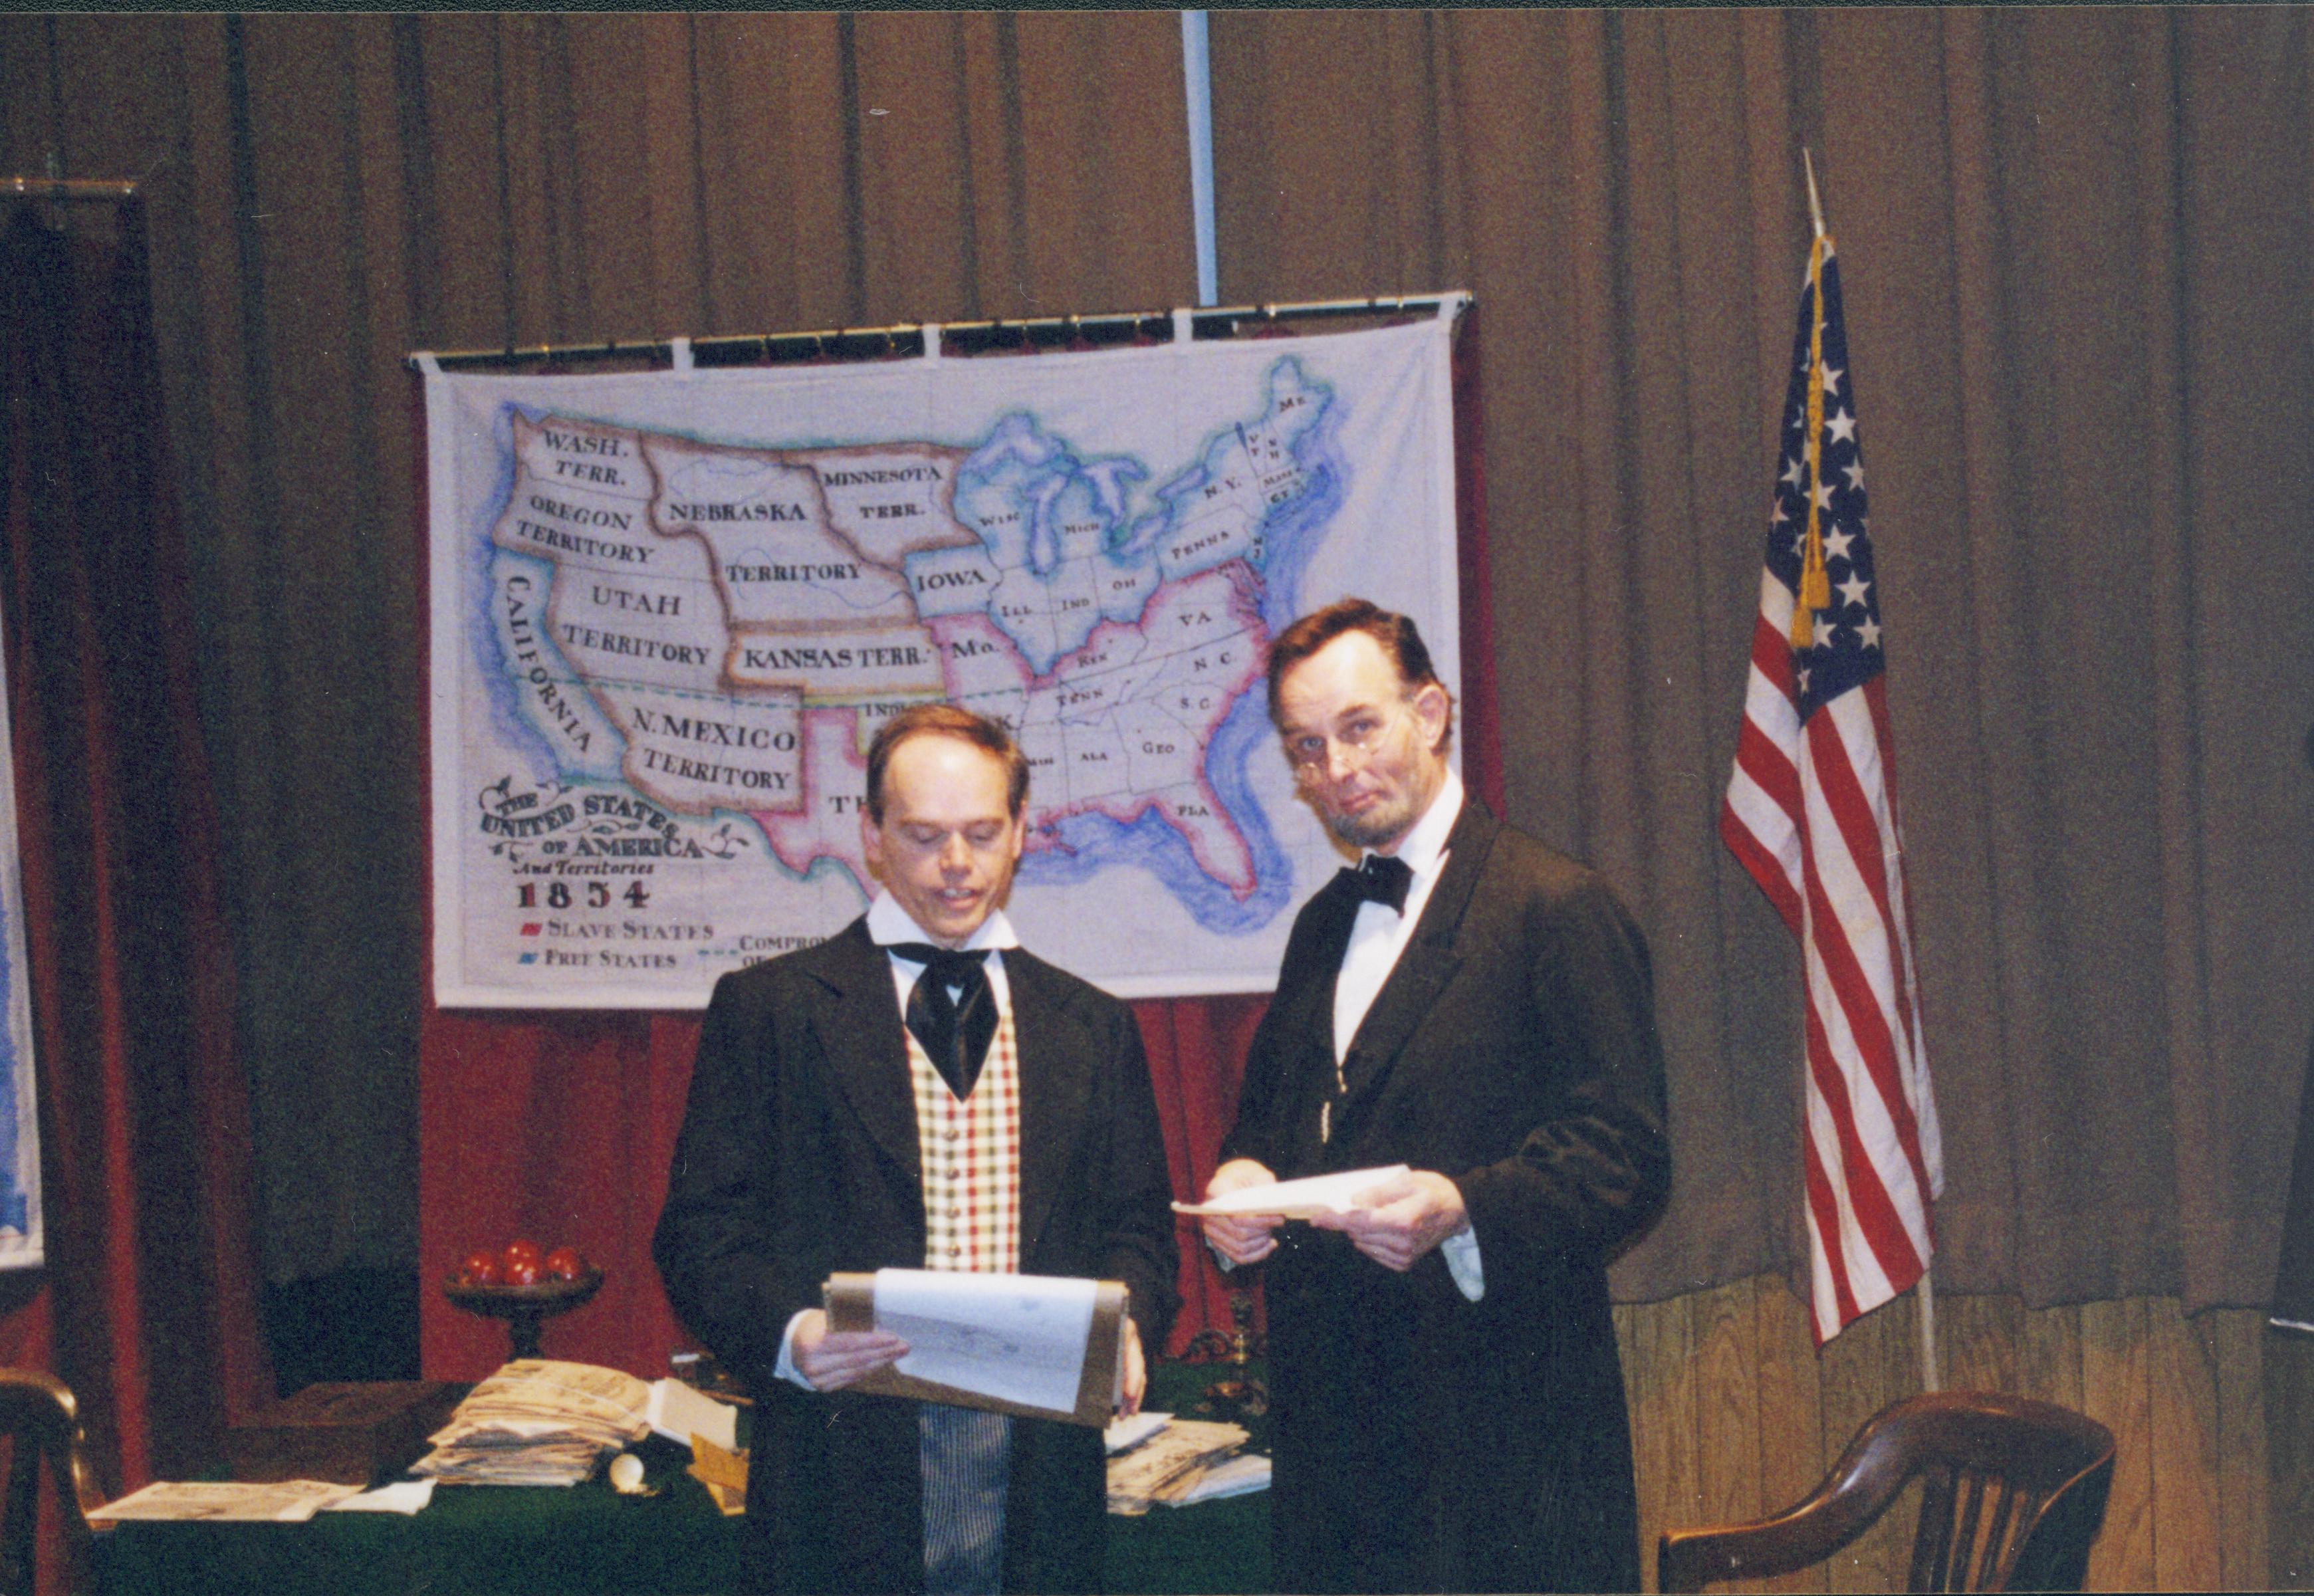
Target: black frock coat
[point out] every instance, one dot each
(798, 1158)
(1424, 1441)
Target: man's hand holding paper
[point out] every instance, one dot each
(832, 1360)
(1242, 1239)
(1402, 1220)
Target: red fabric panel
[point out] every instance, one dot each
(1196, 1061)
(558, 1127)
(147, 1304)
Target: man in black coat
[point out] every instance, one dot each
(822, 1134)
(1447, 1400)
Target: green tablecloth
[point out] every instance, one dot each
(505, 1541)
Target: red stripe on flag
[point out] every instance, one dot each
(1852, 809)
(1769, 765)
(1771, 656)
(1876, 699)
(1851, 813)
(1823, 1219)
(1761, 864)
(1876, 1215)
(1866, 1024)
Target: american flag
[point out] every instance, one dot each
(1811, 813)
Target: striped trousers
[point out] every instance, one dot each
(967, 1458)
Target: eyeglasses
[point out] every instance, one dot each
(1312, 756)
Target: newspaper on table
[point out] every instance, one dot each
(278, 1501)
(1167, 1465)
(537, 1421)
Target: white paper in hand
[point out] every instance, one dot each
(1299, 1199)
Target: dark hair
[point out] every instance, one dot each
(1401, 644)
(947, 721)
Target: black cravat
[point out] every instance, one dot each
(1382, 880)
(956, 1031)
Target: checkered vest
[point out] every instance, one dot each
(970, 1155)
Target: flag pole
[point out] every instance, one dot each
(1926, 1295)
(1815, 210)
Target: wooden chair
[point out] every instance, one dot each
(42, 1422)
(2013, 1493)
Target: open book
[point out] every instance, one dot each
(1039, 1346)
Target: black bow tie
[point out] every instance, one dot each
(1382, 880)
(956, 1031)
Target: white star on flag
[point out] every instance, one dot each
(1854, 589)
(1842, 427)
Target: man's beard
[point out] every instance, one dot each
(1384, 824)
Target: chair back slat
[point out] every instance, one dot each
(1932, 1540)
(2010, 1508)
(1961, 1568)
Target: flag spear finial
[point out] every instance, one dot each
(1815, 210)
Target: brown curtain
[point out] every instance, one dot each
(2075, 249)
(329, 192)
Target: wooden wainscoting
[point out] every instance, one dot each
(1735, 1415)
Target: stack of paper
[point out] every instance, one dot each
(538, 1422)
(1167, 1465)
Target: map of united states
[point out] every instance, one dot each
(720, 628)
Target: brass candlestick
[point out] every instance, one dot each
(1238, 1395)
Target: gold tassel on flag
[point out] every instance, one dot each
(1816, 582)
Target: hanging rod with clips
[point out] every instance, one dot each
(963, 336)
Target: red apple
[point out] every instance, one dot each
(519, 1250)
(566, 1263)
(522, 1271)
(480, 1268)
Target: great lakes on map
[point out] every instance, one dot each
(718, 628)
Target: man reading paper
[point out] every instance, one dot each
(917, 1092)
(1447, 1402)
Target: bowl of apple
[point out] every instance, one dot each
(523, 1285)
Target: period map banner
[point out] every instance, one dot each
(670, 609)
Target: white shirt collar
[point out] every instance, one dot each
(1425, 845)
(888, 923)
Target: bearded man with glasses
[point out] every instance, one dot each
(1447, 1400)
